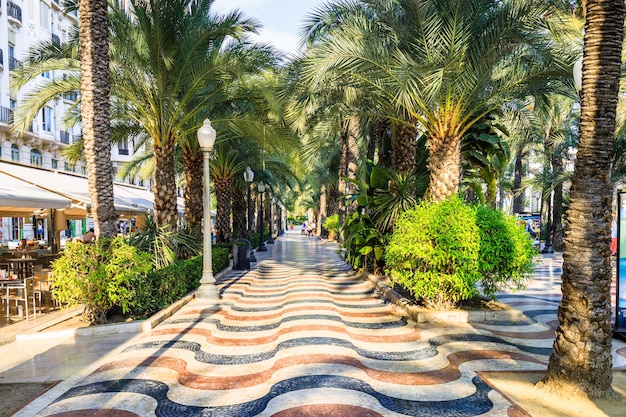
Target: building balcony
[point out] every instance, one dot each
(6, 117)
(14, 63)
(64, 137)
(14, 13)
(70, 96)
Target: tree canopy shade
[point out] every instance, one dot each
(170, 62)
(436, 65)
(174, 63)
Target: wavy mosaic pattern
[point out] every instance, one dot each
(301, 336)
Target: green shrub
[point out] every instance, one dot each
(441, 251)
(434, 252)
(164, 286)
(167, 244)
(364, 244)
(220, 259)
(98, 275)
(506, 252)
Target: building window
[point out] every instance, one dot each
(16, 227)
(45, 74)
(45, 15)
(83, 170)
(15, 153)
(46, 113)
(123, 147)
(55, 164)
(69, 167)
(36, 158)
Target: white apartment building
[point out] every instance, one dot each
(24, 23)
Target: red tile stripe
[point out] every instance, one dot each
(439, 376)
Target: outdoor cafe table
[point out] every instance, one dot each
(22, 267)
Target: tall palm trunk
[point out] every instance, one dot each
(404, 147)
(379, 139)
(165, 206)
(321, 218)
(333, 201)
(518, 194)
(581, 359)
(96, 113)
(557, 209)
(239, 196)
(348, 164)
(194, 189)
(352, 159)
(222, 217)
(444, 164)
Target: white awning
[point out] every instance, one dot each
(75, 188)
(18, 197)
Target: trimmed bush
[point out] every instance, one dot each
(164, 286)
(99, 275)
(434, 251)
(506, 252)
(441, 251)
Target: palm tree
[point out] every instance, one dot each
(95, 111)
(170, 65)
(438, 65)
(581, 359)
(182, 63)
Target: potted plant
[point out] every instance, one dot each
(332, 225)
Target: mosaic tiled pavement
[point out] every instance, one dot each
(301, 336)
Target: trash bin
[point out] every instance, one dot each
(241, 254)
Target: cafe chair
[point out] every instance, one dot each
(43, 290)
(20, 291)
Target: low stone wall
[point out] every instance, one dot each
(139, 326)
(423, 315)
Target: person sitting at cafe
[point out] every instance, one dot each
(23, 244)
(89, 236)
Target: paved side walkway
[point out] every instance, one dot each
(301, 336)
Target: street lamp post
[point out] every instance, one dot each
(248, 176)
(207, 290)
(261, 188)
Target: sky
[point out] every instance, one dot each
(281, 19)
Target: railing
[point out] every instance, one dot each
(55, 39)
(64, 137)
(6, 115)
(14, 11)
(14, 63)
